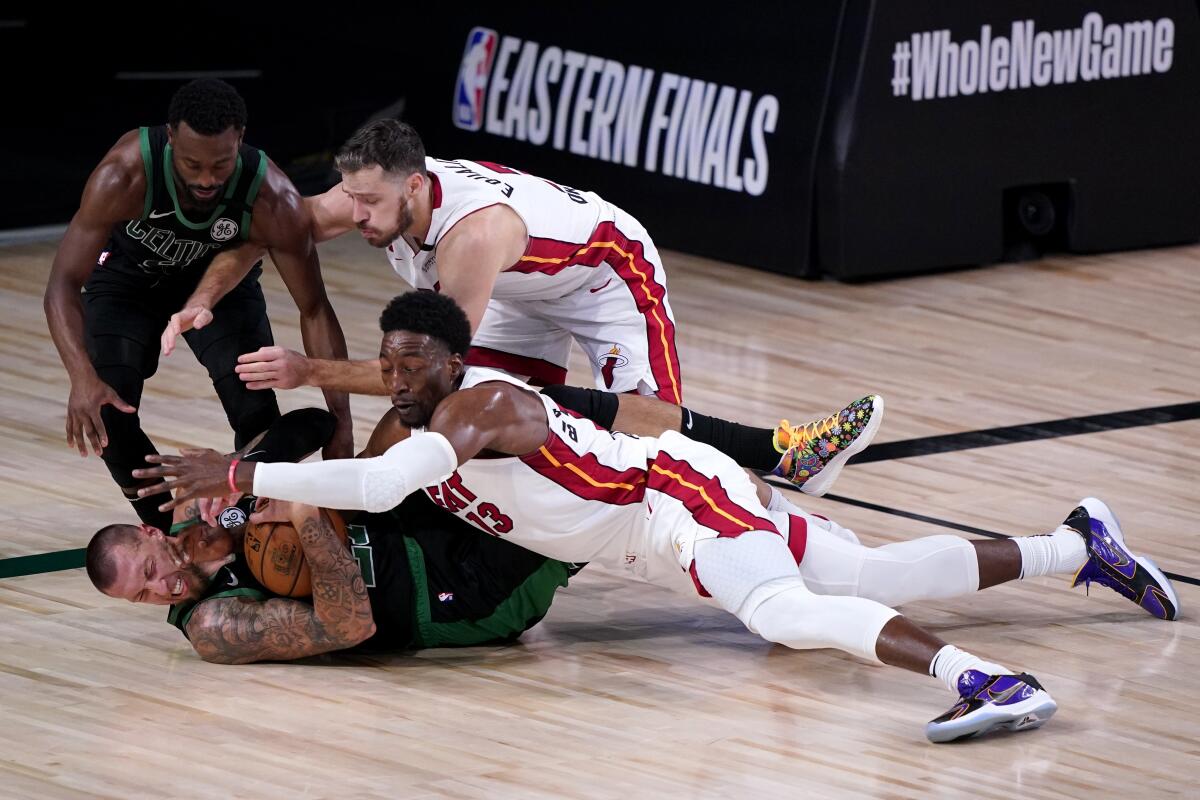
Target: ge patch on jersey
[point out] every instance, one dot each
(232, 517)
(223, 230)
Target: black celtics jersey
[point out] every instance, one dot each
(382, 559)
(165, 241)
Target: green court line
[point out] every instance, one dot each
(42, 562)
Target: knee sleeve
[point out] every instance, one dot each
(240, 325)
(249, 411)
(598, 406)
(128, 444)
(793, 616)
(294, 435)
(922, 569)
(754, 577)
(732, 569)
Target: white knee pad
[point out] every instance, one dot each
(799, 619)
(755, 577)
(732, 569)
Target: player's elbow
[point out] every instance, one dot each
(365, 631)
(56, 289)
(352, 635)
(218, 655)
(319, 309)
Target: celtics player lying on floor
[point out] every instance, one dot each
(430, 579)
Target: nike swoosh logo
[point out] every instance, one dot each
(598, 288)
(256, 452)
(233, 581)
(157, 214)
(689, 418)
(1000, 698)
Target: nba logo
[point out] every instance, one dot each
(473, 78)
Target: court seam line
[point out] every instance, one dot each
(55, 561)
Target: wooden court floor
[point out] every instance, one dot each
(627, 690)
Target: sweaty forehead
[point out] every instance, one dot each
(369, 180)
(128, 558)
(191, 144)
(405, 343)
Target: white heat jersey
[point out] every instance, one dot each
(634, 504)
(559, 221)
(590, 274)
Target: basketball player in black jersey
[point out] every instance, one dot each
(160, 205)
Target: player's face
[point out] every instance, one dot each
(419, 371)
(381, 203)
(153, 568)
(203, 164)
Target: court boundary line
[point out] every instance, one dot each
(40, 563)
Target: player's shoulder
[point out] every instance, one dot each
(279, 209)
(117, 186)
(277, 192)
(123, 161)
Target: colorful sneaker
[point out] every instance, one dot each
(1110, 563)
(815, 453)
(990, 702)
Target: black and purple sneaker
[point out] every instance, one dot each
(992, 702)
(1110, 563)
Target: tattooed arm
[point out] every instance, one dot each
(233, 630)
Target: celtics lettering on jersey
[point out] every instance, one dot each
(175, 254)
(360, 548)
(165, 240)
(456, 498)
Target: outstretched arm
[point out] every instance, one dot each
(285, 229)
(498, 417)
(113, 193)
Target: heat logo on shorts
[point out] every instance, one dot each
(609, 363)
(473, 78)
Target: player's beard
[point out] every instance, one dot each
(202, 203)
(404, 221)
(197, 582)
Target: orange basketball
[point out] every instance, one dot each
(276, 558)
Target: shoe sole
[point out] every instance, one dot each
(817, 486)
(1099, 509)
(1024, 716)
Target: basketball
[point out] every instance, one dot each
(276, 557)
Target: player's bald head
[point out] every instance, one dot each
(102, 555)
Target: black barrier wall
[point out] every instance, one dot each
(703, 127)
(856, 138)
(966, 133)
(73, 86)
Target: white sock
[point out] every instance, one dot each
(1051, 553)
(950, 662)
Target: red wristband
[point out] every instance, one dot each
(232, 485)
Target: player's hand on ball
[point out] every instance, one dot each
(266, 510)
(191, 474)
(273, 367)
